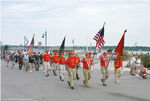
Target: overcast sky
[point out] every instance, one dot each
(78, 19)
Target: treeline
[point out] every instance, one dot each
(128, 48)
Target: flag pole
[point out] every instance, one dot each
(24, 42)
(96, 45)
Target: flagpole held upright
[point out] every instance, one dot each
(31, 47)
(99, 39)
(24, 42)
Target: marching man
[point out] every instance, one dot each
(55, 62)
(104, 67)
(86, 70)
(77, 66)
(46, 62)
(71, 67)
(118, 61)
(91, 61)
(118, 68)
(61, 66)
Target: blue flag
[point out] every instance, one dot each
(62, 47)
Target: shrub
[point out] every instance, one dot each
(145, 58)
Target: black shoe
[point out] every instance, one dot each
(104, 85)
(68, 83)
(47, 74)
(78, 78)
(102, 80)
(72, 87)
(62, 80)
(84, 82)
(54, 73)
(60, 77)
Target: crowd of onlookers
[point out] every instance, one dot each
(137, 67)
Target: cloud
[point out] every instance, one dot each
(77, 19)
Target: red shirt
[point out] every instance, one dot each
(103, 63)
(86, 64)
(46, 57)
(91, 59)
(71, 62)
(62, 60)
(77, 60)
(55, 59)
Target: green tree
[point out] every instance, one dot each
(126, 55)
(146, 60)
(6, 47)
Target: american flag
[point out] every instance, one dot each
(40, 44)
(99, 39)
(31, 46)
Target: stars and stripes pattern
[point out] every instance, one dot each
(99, 39)
(30, 50)
(39, 44)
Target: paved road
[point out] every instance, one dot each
(19, 85)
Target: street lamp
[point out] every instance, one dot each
(45, 35)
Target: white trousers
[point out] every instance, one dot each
(46, 67)
(62, 71)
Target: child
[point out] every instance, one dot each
(143, 72)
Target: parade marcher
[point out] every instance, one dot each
(61, 66)
(71, 67)
(55, 63)
(138, 63)
(26, 61)
(41, 60)
(12, 60)
(20, 60)
(77, 65)
(16, 58)
(132, 64)
(46, 62)
(31, 62)
(104, 67)
(118, 68)
(7, 59)
(86, 69)
(37, 62)
(91, 61)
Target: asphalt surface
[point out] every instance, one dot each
(19, 85)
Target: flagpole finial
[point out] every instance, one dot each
(104, 23)
(125, 31)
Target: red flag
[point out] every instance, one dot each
(119, 50)
(120, 47)
(118, 62)
(31, 46)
